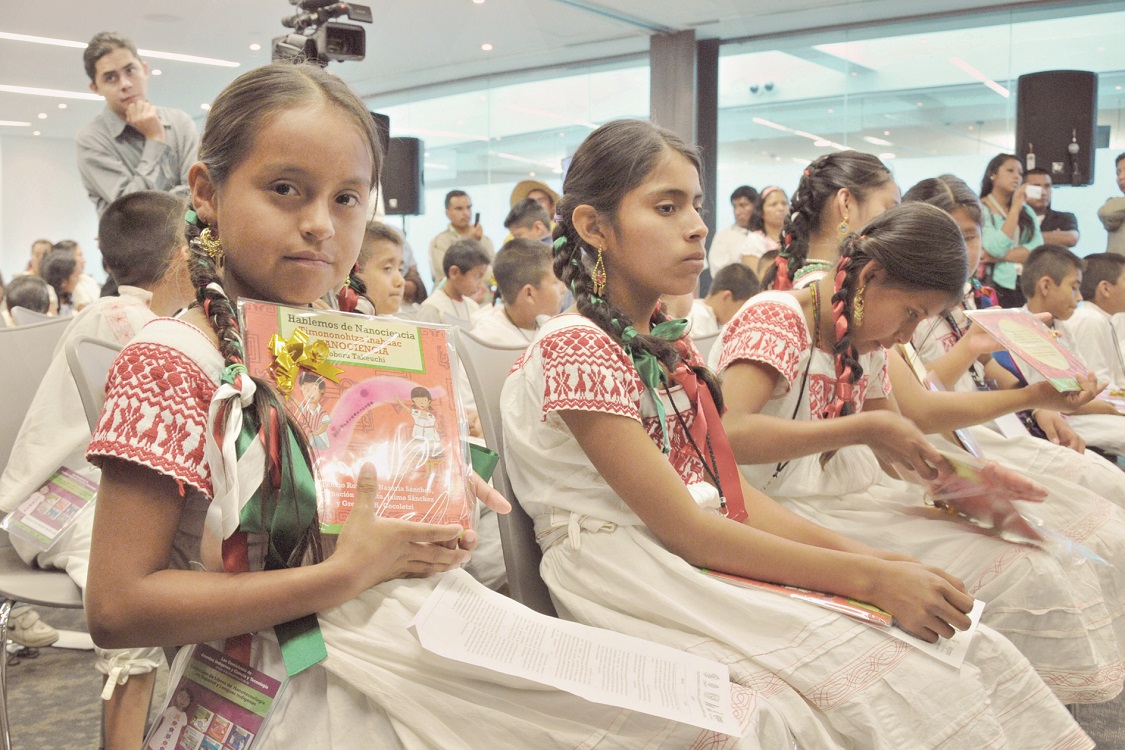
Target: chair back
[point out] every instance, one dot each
(90, 359)
(27, 352)
(21, 316)
(487, 366)
(705, 343)
(453, 320)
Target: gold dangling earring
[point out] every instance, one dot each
(599, 275)
(843, 226)
(857, 307)
(211, 245)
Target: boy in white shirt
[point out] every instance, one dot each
(528, 288)
(733, 285)
(1091, 327)
(464, 265)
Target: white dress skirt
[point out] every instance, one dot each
(1065, 614)
(838, 683)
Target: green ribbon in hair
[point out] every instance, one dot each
(648, 366)
(302, 644)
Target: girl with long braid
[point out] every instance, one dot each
(187, 549)
(809, 368)
(837, 192)
(615, 447)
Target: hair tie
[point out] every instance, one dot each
(559, 243)
(191, 217)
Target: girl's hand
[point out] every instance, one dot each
(1044, 395)
(485, 493)
(980, 341)
(1058, 430)
(895, 439)
(925, 601)
(372, 549)
(1018, 199)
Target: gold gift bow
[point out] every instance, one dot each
(297, 352)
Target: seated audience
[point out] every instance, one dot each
(39, 248)
(1091, 326)
(60, 271)
(29, 292)
(143, 244)
(529, 290)
(86, 290)
(379, 268)
(732, 286)
(463, 267)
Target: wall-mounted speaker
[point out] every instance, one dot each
(1056, 121)
(403, 177)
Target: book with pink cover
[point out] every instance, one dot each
(853, 608)
(368, 389)
(1034, 347)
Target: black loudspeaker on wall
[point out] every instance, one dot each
(1056, 117)
(403, 180)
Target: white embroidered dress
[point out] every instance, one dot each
(837, 682)
(1068, 618)
(378, 688)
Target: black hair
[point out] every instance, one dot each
(138, 235)
(1052, 261)
(919, 247)
(466, 253)
(758, 219)
(420, 392)
(948, 193)
(1026, 222)
(56, 267)
(454, 194)
(1119, 159)
(101, 45)
(859, 172)
(744, 191)
(1100, 267)
(738, 279)
(28, 291)
(525, 213)
(520, 262)
(613, 160)
(1036, 170)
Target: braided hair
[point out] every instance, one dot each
(920, 248)
(237, 115)
(1026, 223)
(613, 160)
(860, 173)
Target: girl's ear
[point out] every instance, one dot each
(873, 271)
(590, 226)
(204, 196)
(843, 202)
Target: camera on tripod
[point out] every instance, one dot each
(317, 38)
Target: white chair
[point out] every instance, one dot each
(704, 343)
(456, 322)
(21, 316)
(90, 359)
(27, 352)
(487, 366)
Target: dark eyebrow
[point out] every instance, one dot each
(673, 193)
(293, 169)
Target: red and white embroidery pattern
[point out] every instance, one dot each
(156, 414)
(769, 332)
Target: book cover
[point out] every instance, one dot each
(853, 608)
(1034, 346)
(52, 508)
(372, 389)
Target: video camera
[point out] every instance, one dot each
(317, 38)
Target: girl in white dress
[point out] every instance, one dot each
(287, 162)
(809, 369)
(615, 448)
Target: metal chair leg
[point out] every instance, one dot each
(5, 735)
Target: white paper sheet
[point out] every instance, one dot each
(949, 651)
(465, 621)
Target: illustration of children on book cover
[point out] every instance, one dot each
(368, 389)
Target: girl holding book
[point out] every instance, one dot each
(615, 448)
(287, 161)
(810, 369)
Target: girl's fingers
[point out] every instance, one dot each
(488, 495)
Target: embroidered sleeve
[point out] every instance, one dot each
(585, 370)
(770, 332)
(155, 414)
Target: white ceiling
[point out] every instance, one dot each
(412, 43)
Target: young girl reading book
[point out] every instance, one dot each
(615, 448)
(808, 368)
(959, 356)
(287, 160)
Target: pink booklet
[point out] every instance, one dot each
(853, 608)
(368, 389)
(1034, 347)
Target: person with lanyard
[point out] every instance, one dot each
(837, 192)
(1010, 229)
(616, 449)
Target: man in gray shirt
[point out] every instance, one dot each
(132, 145)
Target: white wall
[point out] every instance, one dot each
(41, 195)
